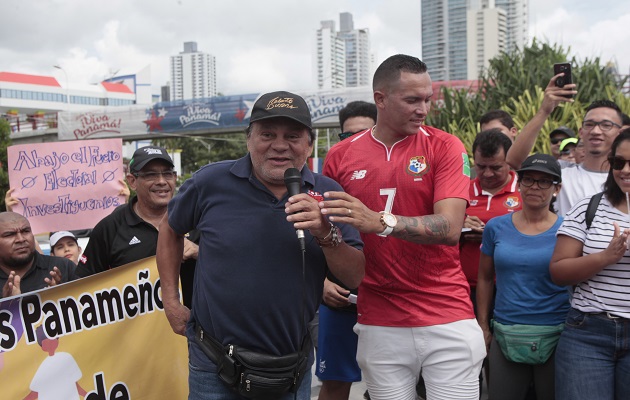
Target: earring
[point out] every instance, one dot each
(554, 195)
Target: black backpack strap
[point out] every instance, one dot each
(592, 208)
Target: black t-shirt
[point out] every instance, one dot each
(33, 279)
(123, 237)
(118, 239)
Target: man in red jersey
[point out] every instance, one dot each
(407, 192)
(494, 192)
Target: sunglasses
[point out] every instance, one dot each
(617, 163)
(346, 135)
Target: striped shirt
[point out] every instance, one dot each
(609, 289)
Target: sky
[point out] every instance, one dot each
(259, 45)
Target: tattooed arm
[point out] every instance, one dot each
(444, 226)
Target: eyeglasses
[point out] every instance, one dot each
(346, 135)
(556, 140)
(542, 183)
(604, 125)
(617, 163)
(154, 175)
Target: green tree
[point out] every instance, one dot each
(5, 141)
(199, 151)
(515, 81)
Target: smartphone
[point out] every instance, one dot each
(566, 79)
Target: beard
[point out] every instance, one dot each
(17, 263)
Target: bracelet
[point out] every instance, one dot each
(330, 232)
(332, 239)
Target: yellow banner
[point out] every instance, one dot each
(104, 337)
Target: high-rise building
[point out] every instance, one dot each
(165, 92)
(357, 45)
(331, 57)
(343, 57)
(459, 37)
(193, 74)
(486, 38)
(517, 13)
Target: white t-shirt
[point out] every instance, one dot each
(56, 378)
(606, 291)
(577, 183)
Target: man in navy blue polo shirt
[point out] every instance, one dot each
(251, 289)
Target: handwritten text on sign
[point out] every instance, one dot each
(66, 185)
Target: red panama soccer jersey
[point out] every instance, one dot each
(406, 284)
(486, 206)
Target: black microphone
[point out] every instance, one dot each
(293, 182)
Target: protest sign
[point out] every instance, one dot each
(66, 185)
(104, 337)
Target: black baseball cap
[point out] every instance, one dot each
(281, 104)
(148, 153)
(565, 130)
(541, 163)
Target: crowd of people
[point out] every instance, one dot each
(423, 272)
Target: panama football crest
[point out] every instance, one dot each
(512, 202)
(316, 195)
(417, 166)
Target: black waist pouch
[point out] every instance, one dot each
(256, 375)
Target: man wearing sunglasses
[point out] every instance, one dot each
(556, 137)
(355, 117)
(130, 232)
(601, 125)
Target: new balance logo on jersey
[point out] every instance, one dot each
(134, 240)
(360, 174)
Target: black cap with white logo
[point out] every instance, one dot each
(148, 153)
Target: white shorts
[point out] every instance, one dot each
(449, 357)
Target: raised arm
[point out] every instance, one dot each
(526, 140)
(9, 200)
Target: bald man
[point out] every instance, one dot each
(22, 268)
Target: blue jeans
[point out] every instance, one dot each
(204, 385)
(593, 358)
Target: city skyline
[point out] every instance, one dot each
(258, 46)
(342, 57)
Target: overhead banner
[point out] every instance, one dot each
(215, 114)
(211, 115)
(102, 337)
(66, 185)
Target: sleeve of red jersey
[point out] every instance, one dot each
(452, 178)
(331, 164)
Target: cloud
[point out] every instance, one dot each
(258, 45)
(588, 34)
